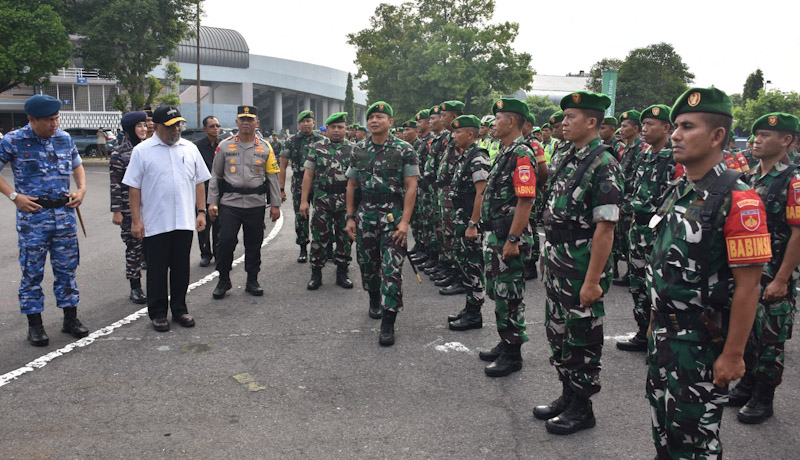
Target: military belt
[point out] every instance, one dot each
(381, 198)
(679, 320)
(332, 188)
(52, 203)
(500, 227)
(225, 187)
(566, 235)
(643, 219)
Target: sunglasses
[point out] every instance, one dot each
(212, 126)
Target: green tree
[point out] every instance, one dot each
(349, 99)
(35, 42)
(595, 82)
(655, 74)
(765, 102)
(418, 54)
(754, 83)
(128, 42)
(541, 108)
(172, 81)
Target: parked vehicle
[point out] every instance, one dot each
(85, 140)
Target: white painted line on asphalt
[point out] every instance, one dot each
(42, 361)
(620, 338)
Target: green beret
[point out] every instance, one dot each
(630, 115)
(751, 139)
(436, 110)
(531, 118)
(536, 129)
(380, 107)
(546, 125)
(466, 121)
(410, 124)
(339, 117)
(423, 114)
(557, 117)
(706, 100)
(585, 100)
(452, 106)
(360, 128)
(274, 134)
(777, 121)
(305, 114)
(609, 121)
(399, 130)
(657, 111)
(510, 104)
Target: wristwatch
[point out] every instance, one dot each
(349, 216)
(201, 211)
(512, 238)
(13, 196)
(471, 224)
(282, 190)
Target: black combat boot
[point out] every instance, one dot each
(445, 281)
(36, 334)
(455, 288)
(555, 408)
(530, 270)
(742, 392)
(577, 416)
(510, 360)
(223, 285)
(386, 338)
(342, 277)
(471, 319)
(72, 325)
(636, 343)
(316, 279)
(374, 304)
(252, 285)
(493, 354)
(433, 260)
(137, 295)
(303, 257)
(759, 408)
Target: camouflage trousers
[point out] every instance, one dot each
(301, 223)
(575, 334)
(685, 405)
(641, 243)
(470, 264)
(327, 225)
(536, 223)
(764, 354)
(379, 257)
(505, 284)
(447, 228)
(46, 231)
(419, 219)
(134, 249)
(621, 245)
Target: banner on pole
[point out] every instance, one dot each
(610, 89)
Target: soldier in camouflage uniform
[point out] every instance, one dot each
(296, 150)
(385, 169)
(436, 266)
(134, 125)
(777, 182)
(651, 179)
(466, 192)
(277, 145)
(420, 221)
(410, 132)
(607, 129)
(505, 212)
(325, 167)
(703, 274)
(579, 219)
(538, 204)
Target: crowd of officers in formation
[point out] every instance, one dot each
(700, 226)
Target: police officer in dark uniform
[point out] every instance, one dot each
(208, 148)
(244, 177)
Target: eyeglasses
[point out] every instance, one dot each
(212, 126)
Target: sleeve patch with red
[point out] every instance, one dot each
(793, 203)
(524, 178)
(746, 235)
(538, 152)
(731, 163)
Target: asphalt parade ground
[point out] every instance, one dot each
(299, 374)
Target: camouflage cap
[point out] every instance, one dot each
(630, 115)
(611, 121)
(451, 106)
(305, 114)
(657, 111)
(423, 114)
(338, 117)
(777, 121)
(410, 124)
(466, 121)
(557, 117)
(585, 100)
(706, 100)
(510, 104)
(380, 107)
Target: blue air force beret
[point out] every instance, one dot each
(40, 106)
(133, 118)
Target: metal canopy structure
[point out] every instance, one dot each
(218, 47)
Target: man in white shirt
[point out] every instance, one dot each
(166, 176)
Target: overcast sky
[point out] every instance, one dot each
(721, 42)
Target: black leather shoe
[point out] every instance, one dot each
(531, 273)
(205, 260)
(430, 267)
(316, 279)
(431, 262)
(457, 316)
(223, 286)
(374, 304)
(253, 288)
(343, 277)
(742, 392)
(555, 408)
(470, 320)
(185, 320)
(493, 354)
(386, 338)
(439, 274)
(419, 258)
(510, 360)
(637, 343)
(303, 257)
(577, 416)
(137, 296)
(444, 282)
(37, 336)
(74, 327)
(161, 325)
(759, 408)
(454, 289)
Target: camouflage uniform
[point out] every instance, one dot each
(444, 177)
(575, 333)
(538, 204)
(41, 169)
(296, 150)
(686, 406)
(505, 279)
(380, 171)
(472, 167)
(435, 155)
(630, 157)
(423, 208)
(329, 161)
(120, 202)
